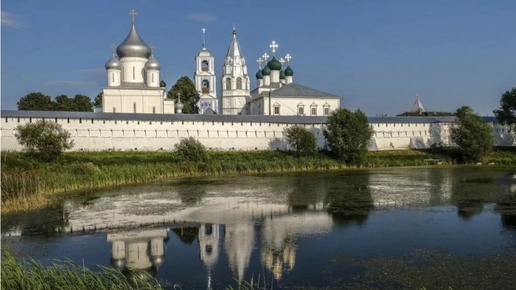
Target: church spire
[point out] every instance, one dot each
(417, 107)
(204, 38)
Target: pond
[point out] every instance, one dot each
(431, 227)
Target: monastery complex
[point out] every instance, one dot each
(137, 115)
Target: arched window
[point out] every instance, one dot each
(134, 107)
(154, 110)
(228, 84)
(205, 66)
(239, 83)
(205, 86)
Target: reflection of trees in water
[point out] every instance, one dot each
(191, 191)
(350, 202)
(307, 191)
(46, 222)
(473, 187)
(187, 235)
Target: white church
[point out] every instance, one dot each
(134, 86)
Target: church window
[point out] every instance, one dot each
(204, 65)
(326, 111)
(228, 84)
(239, 83)
(205, 86)
(113, 77)
(154, 110)
(152, 75)
(276, 110)
(134, 107)
(300, 109)
(134, 73)
(314, 111)
(114, 110)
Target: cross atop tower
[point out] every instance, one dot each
(288, 57)
(204, 38)
(265, 56)
(259, 61)
(234, 29)
(133, 14)
(273, 47)
(282, 60)
(113, 46)
(152, 47)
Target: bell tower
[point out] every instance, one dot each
(205, 79)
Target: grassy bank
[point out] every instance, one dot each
(27, 183)
(30, 274)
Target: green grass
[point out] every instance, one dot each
(27, 183)
(31, 275)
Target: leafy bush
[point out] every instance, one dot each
(45, 140)
(191, 149)
(348, 134)
(474, 137)
(301, 140)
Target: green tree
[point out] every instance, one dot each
(43, 139)
(190, 149)
(507, 112)
(474, 137)
(348, 134)
(35, 102)
(98, 99)
(82, 103)
(63, 103)
(187, 93)
(301, 140)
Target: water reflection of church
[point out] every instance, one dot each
(145, 249)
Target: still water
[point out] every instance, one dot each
(382, 228)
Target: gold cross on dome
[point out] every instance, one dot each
(133, 14)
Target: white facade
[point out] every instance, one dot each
(235, 80)
(133, 80)
(206, 82)
(147, 132)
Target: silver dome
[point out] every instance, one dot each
(152, 63)
(113, 63)
(133, 46)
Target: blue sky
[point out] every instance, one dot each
(376, 54)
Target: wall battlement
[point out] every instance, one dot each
(151, 132)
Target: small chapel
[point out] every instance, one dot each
(134, 85)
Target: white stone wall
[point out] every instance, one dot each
(98, 133)
(123, 100)
(288, 106)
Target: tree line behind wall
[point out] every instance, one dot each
(41, 102)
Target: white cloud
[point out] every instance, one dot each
(70, 83)
(11, 20)
(201, 17)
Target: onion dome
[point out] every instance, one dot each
(266, 71)
(113, 63)
(274, 64)
(133, 46)
(152, 63)
(259, 75)
(289, 72)
(162, 84)
(282, 75)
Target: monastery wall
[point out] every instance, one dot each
(151, 132)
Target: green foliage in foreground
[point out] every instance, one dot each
(191, 149)
(24, 177)
(43, 139)
(474, 137)
(31, 275)
(348, 134)
(301, 140)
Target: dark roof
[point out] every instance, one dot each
(225, 118)
(209, 111)
(294, 90)
(426, 114)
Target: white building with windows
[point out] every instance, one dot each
(235, 80)
(205, 80)
(133, 79)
